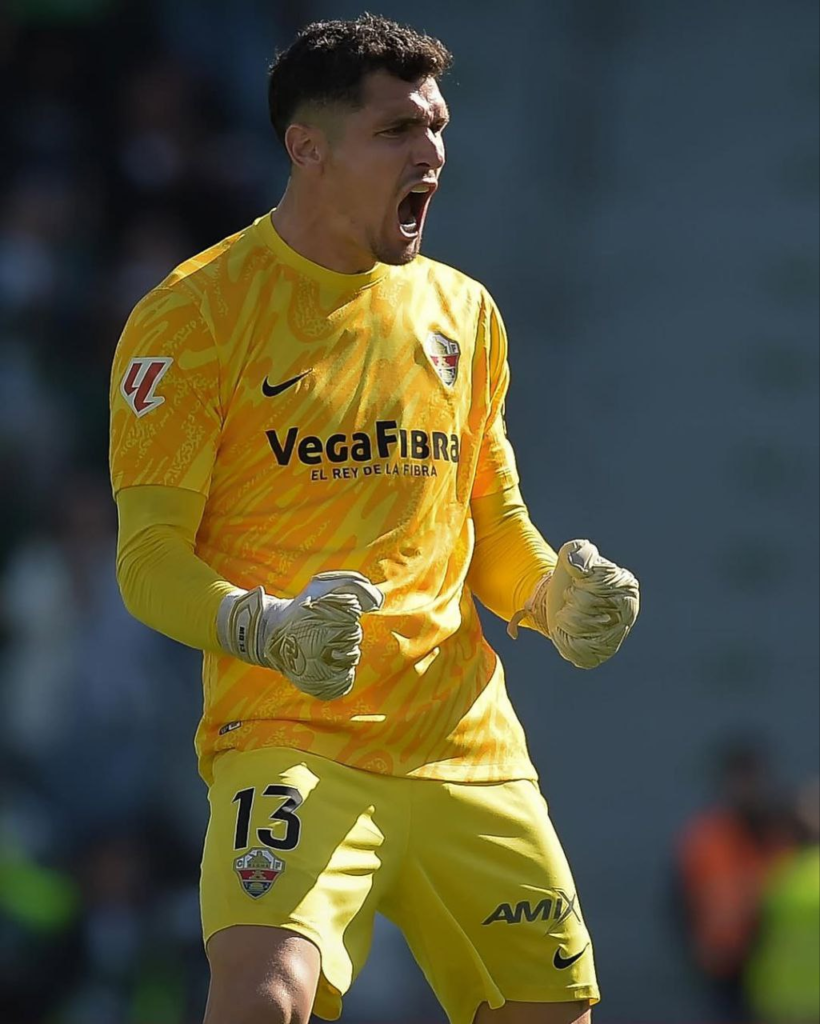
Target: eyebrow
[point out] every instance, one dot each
(400, 120)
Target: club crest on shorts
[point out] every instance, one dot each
(444, 355)
(258, 869)
(140, 380)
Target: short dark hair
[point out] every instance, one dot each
(328, 61)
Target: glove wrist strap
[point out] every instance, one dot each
(244, 621)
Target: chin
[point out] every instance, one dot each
(406, 257)
(397, 255)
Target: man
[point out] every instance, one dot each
(307, 428)
(781, 977)
(725, 858)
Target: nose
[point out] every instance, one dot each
(430, 150)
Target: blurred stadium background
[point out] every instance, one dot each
(636, 182)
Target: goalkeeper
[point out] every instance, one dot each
(313, 481)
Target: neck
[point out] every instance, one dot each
(317, 234)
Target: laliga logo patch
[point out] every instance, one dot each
(139, 383)
(444, 356)
(258, 869)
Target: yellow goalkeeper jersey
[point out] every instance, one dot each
(333, 421)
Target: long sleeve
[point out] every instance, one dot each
(510, 554)
(162, 581)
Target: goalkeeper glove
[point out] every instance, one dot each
(314, 640)
(586, 605)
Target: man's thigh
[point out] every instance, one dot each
(536, 1013)
(489, 907)
(261, 974)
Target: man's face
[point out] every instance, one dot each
(382, 166)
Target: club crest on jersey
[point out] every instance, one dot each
(258, 869)
(444, 356)
(140, 380)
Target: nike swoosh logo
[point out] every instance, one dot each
(270, 390)
(560, 961)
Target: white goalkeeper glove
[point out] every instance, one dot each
(586, 605)
(313, 639)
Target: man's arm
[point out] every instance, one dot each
(584, 603)
(510, 554)
(166, 426)
(163, 583)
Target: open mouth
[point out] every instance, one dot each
(413, 208)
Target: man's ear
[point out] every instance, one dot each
(306, 145)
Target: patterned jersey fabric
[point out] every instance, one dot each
(333, 421)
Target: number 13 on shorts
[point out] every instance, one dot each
(291, 799)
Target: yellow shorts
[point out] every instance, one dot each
(473, 874)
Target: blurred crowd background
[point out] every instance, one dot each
(636, 183)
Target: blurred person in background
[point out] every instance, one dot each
(783, 975)
(322, 317)
(140, 957)
(81, 696)
(39, 908)
(725, 857)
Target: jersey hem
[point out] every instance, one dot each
(467, 774)
(489, 773)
